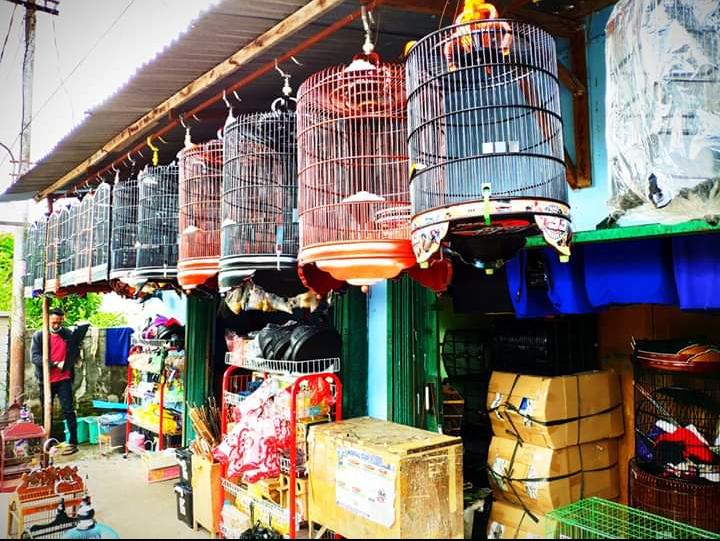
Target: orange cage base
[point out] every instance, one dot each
(327, 267)
(197, 271)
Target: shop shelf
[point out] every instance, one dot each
(288, 368)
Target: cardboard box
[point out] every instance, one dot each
(207, 494)
(544, 479)
(371, 479)
(509, 521)
(556, 412)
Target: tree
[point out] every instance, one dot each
(6, 268)
(76, 308)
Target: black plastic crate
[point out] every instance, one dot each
(184, 503)
(184, 458)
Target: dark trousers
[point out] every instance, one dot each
(63, 390)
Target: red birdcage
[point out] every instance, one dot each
(485, 140)
(354, 201)
(200, 177)
(52, 281)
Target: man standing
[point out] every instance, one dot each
(64, 351)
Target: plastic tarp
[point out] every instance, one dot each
(663, 110)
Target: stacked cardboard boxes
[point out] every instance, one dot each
(555, 442)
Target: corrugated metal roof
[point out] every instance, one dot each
(210, 39)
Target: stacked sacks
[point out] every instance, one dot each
(554, 443)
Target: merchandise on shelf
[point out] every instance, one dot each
(148, 417)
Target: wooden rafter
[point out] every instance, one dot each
(285, 28)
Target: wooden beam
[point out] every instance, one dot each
(570, 171)
(281, 31)
(581, 111)
(556, 25)
(570, 80)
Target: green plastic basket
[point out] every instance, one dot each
(595, 518)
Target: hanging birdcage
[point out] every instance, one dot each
(259, 210)
(352, 158)
(67, 245)
(40, 255)
(100, 234)
(31, 240)
(485, 137)
(123, 239)
(53, 253)
(200, 172)
(157, 236)
(83, 240)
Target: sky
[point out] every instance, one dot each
(128, 33)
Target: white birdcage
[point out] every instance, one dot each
(123, 239)
(101, 234)
(52, 259)
(67, 243)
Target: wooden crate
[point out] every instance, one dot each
(301, 495)
(207, 494)
(379, 480)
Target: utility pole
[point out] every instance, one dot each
(17, 322)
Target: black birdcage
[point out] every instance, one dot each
(157, 224)
(83, 240)
(123, 239)
(201, 173)
(53, 253)
(31, 240)
(259, 202)
(39, 259)
(485, 142)
(67, 243)
(100, 234)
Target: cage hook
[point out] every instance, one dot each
(155, 156)
(188, 140)
(286, 89)
(117, 173)
(367, 19)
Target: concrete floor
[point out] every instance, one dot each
(122, 498)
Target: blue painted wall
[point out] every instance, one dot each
(588, 206)
(378, 351)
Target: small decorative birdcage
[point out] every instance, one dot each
(157, 229)
(83, 240)
(123, 239)
(259, 211)
(352, 158)
(40, 255)
(201, 173)
(52, 269)
(100, 234)
(485, 135)
(66, 250)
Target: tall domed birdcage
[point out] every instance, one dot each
(83, 240)
(31, 240)
(201, 172)
(123, 239)
(66, 245)
(485, 137)
(39, 259)
(157, 225)
(259, 210)
(52, 276)
(101, 234)
(353, 164)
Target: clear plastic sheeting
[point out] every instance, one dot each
(663, 110)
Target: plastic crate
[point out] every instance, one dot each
(595, 518)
